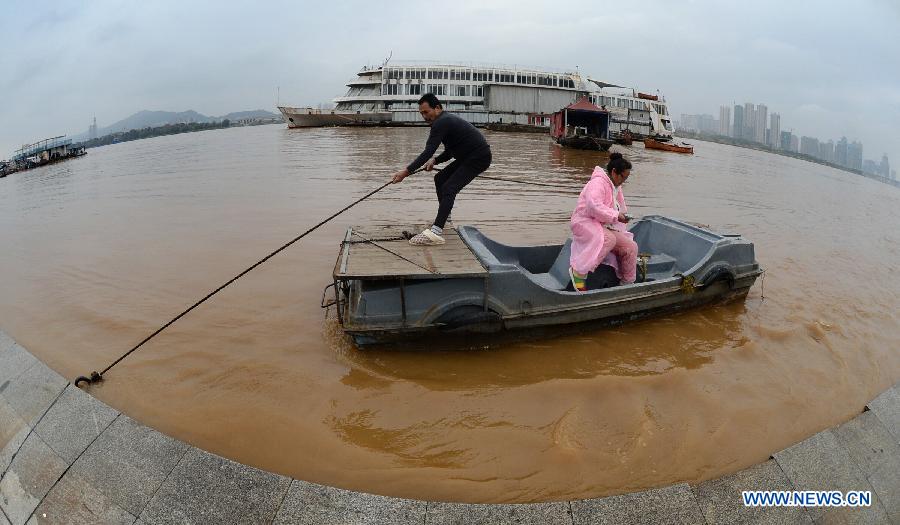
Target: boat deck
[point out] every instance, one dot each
(383, 252)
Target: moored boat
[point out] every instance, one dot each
(311, 118)
(481, 94)
(625, 138)
(385, 289)
(655, 144)
(581, 125)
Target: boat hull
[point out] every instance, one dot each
(549, 324)
(655, 144)
(316, 118)
(585, 142)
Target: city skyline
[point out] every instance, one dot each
(749, 125)
(99, 59)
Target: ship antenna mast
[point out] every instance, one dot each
(386, 60)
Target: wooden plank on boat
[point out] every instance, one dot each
(390, 256)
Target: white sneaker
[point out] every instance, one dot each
(427, 238)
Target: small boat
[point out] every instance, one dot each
(581, 125)
(585, 142)
(655, 144)
(386, 290)
(513, 127)
(625, 138)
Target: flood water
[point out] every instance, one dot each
(98, 252)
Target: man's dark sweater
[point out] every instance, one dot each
(460, 138)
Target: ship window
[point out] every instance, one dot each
(478, 91)
(437, 89)
(415, 89)
(461, 91)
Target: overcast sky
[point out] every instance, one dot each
(829, 68)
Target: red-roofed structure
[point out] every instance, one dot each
(581, 125)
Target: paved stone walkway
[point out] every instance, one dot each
(68, 458)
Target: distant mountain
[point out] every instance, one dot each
(152, 119)
(256, 113)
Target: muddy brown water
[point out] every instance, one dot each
(97, 252)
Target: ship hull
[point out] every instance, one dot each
(314, 118)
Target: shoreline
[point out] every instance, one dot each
(68, 456)
(728, 141)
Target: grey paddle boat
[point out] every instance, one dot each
(386, 290)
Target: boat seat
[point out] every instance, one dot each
(558, 276)
(660, 264)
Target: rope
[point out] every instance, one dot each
(95, 376)
(98, 376)
(560, 186)
(529, 183)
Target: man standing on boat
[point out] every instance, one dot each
(463, 143)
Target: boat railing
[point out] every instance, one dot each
(482, 65)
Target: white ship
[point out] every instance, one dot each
(482, 94)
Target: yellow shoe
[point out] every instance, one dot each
(578, 280)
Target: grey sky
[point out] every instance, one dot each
(830, 69)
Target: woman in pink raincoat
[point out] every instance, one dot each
(598, 225)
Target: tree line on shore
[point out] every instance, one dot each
(145, 133)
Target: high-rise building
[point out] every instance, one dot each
(809, 146)
(92, 130)
(761, 117)
(749, 132)
(725, 120)
(689, 123)
(699, 123)
(785, 140)
(869, 166)
(840, 152)
(738, 128)
(885, 166)
(795, 143)
(708, 124)
(894, 174)
(826, 151)
(775, 130)
(855, 155)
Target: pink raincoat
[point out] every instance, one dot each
(597, 235)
